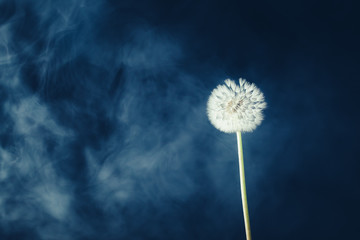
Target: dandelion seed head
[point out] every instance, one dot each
(233, 107)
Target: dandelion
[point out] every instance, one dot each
(236, 108)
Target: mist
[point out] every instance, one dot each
(104, 132)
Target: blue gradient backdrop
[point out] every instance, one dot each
(104, 133)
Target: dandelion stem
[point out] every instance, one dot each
(243, 186)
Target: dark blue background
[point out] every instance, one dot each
(104, 133)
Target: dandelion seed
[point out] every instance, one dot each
(233, 108)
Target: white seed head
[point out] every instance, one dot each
(233, 107)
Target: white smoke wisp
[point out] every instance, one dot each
(233, 108)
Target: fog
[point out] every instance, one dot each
(104, 133)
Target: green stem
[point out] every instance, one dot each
(243, 187)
